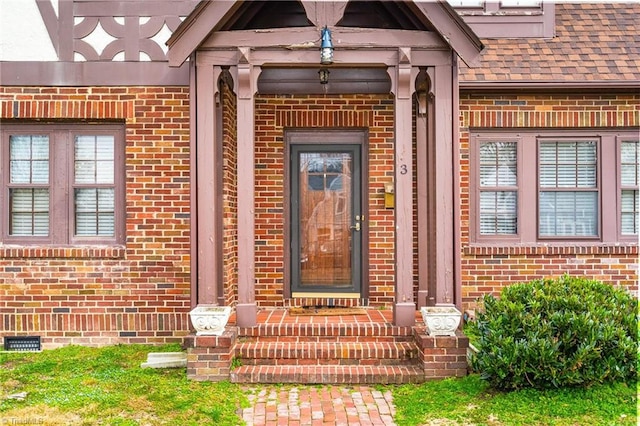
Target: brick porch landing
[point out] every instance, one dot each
(284, 348)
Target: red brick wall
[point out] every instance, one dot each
(230, 195)
(488, 268)
(106, 295)
(273, 115)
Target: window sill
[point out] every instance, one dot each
(62, 252)
(505, 248)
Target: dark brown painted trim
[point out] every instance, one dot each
(324, 13)
(22, 73)
(452, 29)
(193, 184)
(133, 8)
(404, 307)
(205, 18)
(457, 186)
(527, 140)
(209, 16)
(50, 21)
(61, 184)
(310, 57)
(305, 80)
(504, 22)
(305, 38)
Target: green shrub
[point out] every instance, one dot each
(557, 333)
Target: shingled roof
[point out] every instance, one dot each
(595, 45)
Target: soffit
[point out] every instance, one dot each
(594, 44)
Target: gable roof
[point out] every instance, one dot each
(596, 45)
(209, 16)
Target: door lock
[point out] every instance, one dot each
(359, 218)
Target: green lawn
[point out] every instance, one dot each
(77, 385)
(469, 401)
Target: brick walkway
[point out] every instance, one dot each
(292, 405)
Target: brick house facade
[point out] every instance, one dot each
(132, 293)
(208, 200)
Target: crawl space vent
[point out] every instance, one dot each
(22, 343)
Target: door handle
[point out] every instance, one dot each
(356, 226)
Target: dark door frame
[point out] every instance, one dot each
(337, 136)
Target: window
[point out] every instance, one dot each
(325, 172)
(568, 196)
(62, 184)
(498, 188)
(629, 177)
(580, 187)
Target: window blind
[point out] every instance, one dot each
(29, 179)
(568, 198)
(94, 192)
(498, 188)
(629, 177)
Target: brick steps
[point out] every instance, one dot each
(349, 353)
(332, 352)
(366, 349)
(332, 331)
(328, 374)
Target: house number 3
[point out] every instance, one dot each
(403, 169)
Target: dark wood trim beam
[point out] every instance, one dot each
(311, 57)
(66, 24)
(188, 36)
(324, 13)
(50, 21)
(345, 38)
(309, 38)
(133, 8)
(452, 29)
(92, 74)
(291, 38)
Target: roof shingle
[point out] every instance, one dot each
(594, 43)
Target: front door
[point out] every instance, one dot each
(327, 220)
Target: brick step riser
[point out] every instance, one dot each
(394, 350)
(327, 339)
(338, 375)
(329, 361)
(362, 332)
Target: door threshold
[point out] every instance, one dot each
(313, 294)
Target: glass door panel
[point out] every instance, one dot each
(325, 229)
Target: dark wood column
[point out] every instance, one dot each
(404, 308)
(246, 309)
(441, 243)
(205, 188)
(424, 175)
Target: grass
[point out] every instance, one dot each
(469, 401)
(79, 385)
